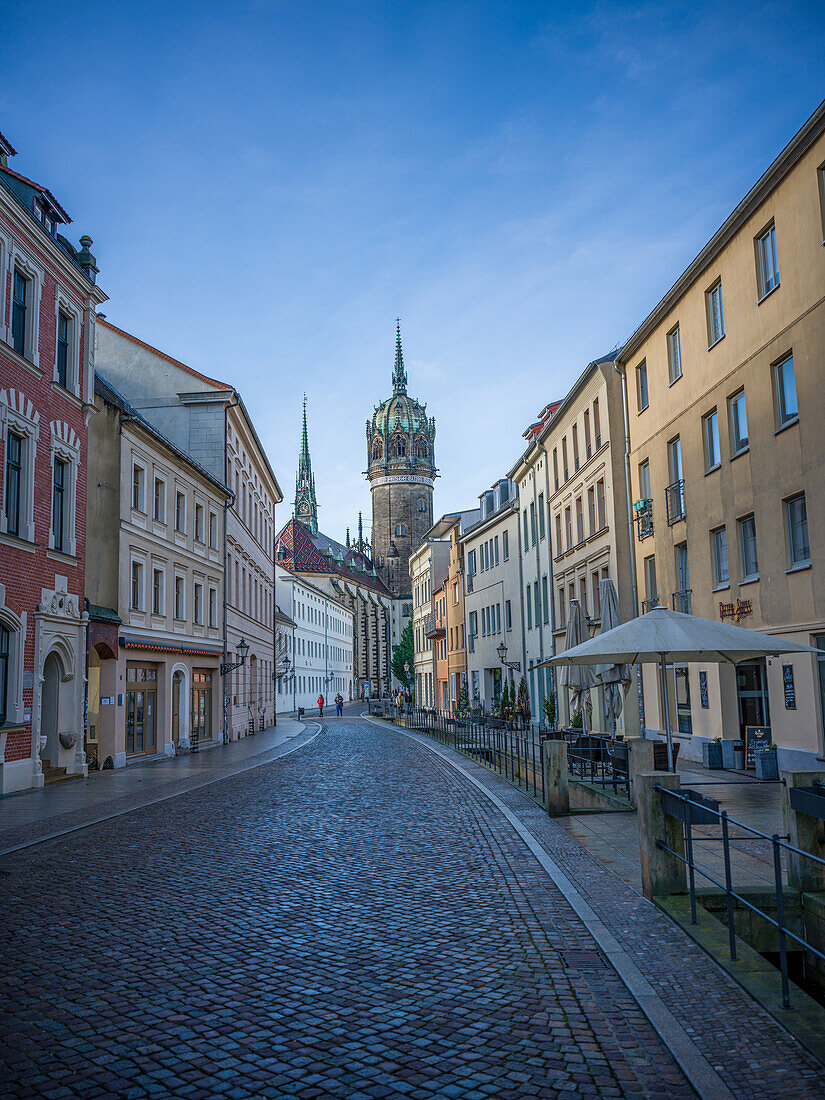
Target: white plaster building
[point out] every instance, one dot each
(154, 567)
(209, 421)
(319, 645)
(429, 565)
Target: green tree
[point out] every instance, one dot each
(504, 698)
(462, 706)
(549, 708)
(523, 700)
(404, 654)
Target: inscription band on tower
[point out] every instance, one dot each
(403, 479)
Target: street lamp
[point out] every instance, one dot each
(502, 656)
(243, 649)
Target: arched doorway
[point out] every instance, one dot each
(50, 711)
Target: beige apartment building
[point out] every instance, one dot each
(155, 586)
(725, 388)
(531, 478)
(452, 528)
(429, 564)
(584, 443)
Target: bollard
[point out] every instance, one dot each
(556, 787)
(639, 759)
(806, 833)
(662, 873)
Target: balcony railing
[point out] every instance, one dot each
(675, 502)
(680, 601)
(434, 628)
(644, 523)
(648, 605)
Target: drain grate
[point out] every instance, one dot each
(583, 959)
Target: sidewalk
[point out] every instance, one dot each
(614, 837)
(37, 815)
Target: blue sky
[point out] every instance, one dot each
(269, 184)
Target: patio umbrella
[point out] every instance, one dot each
(662, 637)
(614, 678)
(578, 679)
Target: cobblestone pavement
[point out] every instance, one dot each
(352, 921)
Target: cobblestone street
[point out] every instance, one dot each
(355, 920)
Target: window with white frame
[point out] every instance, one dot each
(674, 354)
(213, 530)
(19, 426)
(27, 283)
(180, 598)
(747, 547)
(67, 350)
(505, 545)
(158, 595)
(198, 611)
(213, 608)
(796, 516)
(159, 502)
(180, 512)
(719, 557)
(199, 533)
(784, 387)
(65, 459)
(738, 418)
(12, 638)
(715, 313)
(710, 433)
(767, 262)
(138, 487)
(137, 586)
(641, 386)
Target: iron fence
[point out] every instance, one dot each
(598, 759)
(692, 809)
(675, 502)
(513, 754)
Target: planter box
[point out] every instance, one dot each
(767, 765)
(728, 757)
(712, 755)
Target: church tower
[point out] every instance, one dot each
(306, 507)
(401, 472)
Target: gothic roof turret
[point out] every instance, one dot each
(306, 505)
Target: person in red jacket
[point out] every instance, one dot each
(321, 706)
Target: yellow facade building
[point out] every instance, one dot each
(725, 393)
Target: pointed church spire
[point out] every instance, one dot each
(360, 533)
(348, 538)
(399, 375)
(306, 506)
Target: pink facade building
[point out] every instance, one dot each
(48, 301)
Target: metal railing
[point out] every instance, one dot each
(648, 605)
(692, 808)
(597, 758)
(675, 502)
(513, 754)
(680, 601)
(644, 523)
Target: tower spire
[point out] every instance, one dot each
(306, 506)
(399, 375)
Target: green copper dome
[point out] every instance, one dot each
(400, 432)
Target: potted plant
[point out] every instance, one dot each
(767, 765)
(549, 707)
(712, 754)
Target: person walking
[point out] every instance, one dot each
(339, 705)
(321, 705)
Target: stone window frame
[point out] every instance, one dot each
(64, 304)
(19, 414)
(65, 446)
(22, 260)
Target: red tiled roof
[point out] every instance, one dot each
(303, 556)
(163, 355)
(11, 149)
(43, 191)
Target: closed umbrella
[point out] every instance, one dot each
(614, 678)
(578, 679)
(662, 637)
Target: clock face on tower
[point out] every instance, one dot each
(401, 471)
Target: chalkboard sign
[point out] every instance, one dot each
(790, 689)
(757, 738)
(703, 689)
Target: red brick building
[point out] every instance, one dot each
(48, 300)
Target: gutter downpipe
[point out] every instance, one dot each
(274, 625)
(540, 624)
(521, 592)
(631, 541)
(227, 504)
